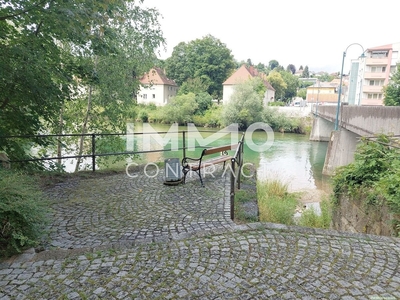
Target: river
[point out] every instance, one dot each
(291, 158)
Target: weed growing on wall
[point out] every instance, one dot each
(375, 172)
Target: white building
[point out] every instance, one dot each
(156, 88)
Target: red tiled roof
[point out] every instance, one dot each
(156, 76)
(244, 73)
(384, 47)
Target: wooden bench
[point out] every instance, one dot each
(197, 164)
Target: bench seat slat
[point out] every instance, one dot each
(209, 162)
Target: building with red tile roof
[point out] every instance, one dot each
(156, 88)
(241, 75)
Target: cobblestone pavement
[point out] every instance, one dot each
(116, 237)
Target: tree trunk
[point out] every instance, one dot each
(84, 128)
(59, 152)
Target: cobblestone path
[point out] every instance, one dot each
(116, 237)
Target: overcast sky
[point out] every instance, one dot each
(309, 32)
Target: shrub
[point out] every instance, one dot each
(23, 213)
(211, 118)
(282, 123)
(375, 173)
(310, 218)
(275, 204)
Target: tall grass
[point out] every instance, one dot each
(310, 218)
(275, 204)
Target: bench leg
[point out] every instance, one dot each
(201, 179)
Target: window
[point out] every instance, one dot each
(144, 96)
(378, 69)
(379, 54)
(376, 82)
(154, 96)
(375, 96)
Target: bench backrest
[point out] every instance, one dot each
(219, 149)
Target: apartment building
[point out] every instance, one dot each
(370, 73)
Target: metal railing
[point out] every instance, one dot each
(236, 161)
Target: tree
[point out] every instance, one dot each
(291, 68)
(195, 85)
(245, 105)
(261, 68)
(292, 84)
(325, 77)
(392, 90)
(204, 102)
(181, 109)
(207, 59)
(273, 64)
(306, 73)
(277, 82)
(49, 63)
(302, 93)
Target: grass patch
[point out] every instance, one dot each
(310, 218)
(246, 208)
(275, 204)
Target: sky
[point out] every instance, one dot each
(303, 33)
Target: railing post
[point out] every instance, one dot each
(184, 143)
(233, 189)
(93, 152)
(239, 164)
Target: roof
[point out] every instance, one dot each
(384, 47)
(244, 73)
(324, 84)
(156, 76)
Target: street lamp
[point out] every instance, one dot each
(340, 84)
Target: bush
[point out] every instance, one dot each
(276, 103)
(275, 204)
(282, 123)
(23, 213)
(211, 118)
(310, 218)
(375, 173)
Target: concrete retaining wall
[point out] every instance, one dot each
(352, 216)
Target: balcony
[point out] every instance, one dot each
(377, 61)
(374, 75)
(372, 89)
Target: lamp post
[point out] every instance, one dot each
(340, 84)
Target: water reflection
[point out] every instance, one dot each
(292, 158)
(296, 161)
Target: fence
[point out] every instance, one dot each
(236, 161)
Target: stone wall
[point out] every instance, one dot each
(353, 216)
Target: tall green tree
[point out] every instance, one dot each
(392, 90)
(306, 73)
(292, 84)
(291, 68)
(276, 80)
(181, 109)
(56, 52)
(195, 85)
(245, 105)
(207, 58)
(273, 64)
